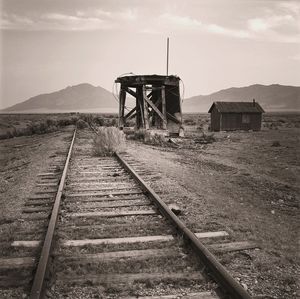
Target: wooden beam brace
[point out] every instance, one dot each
(153, 87)
(164, 107)
(132, 116)
(145, 106)
(150, 94)
(122, 98)
(131, 92)
(142, 114)
(154, 108)
(173, 118)
(130, 113)
(156, 104)
(139, 112)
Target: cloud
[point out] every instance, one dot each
(213, 28)
(263, 24)
(257, 25)
(276, 26)
(57, 21)
(296, 57)
(279, 24)
(12, 21)
(129, 14)
(53, 21)
(186, 22)
(290, 6)
(101, 13)
(181, 21)
(79, 21)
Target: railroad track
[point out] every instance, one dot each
(109, 235)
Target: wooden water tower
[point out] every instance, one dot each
(157, 103)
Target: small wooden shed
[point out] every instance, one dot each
(230, 116)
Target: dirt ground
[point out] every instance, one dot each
(21, 159)
(246, 183)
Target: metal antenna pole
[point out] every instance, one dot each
(167, 56)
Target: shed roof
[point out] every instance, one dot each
(237, 107)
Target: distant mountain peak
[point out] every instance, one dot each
(86, 97)
(79, 86)
(274, 97)
(83, 96)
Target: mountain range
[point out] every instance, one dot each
(88, 98)
(273, 97)
(82, 98)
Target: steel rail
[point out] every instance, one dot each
(219, 273)
(40, 274)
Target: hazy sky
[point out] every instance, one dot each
(47, 45)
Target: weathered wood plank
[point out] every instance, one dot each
(114, 213)
(211, 234)
(133, 203)
(100, 185)
(110, 178)
(83, 242)
(126, 240)
(143, 239)
(101, 227)
(136, 254)
(17, 262)
(102, 169)
(118, 187)
(47, 184)
(47, 180)
(37, 202)
(14, 281)
(145, 109)
(39, 197)
(82, 173)
(130, 91)
(201, 295)
(36, 209)
(128, 277)
(130, 113)
(37, 215)
(46, 192)
(104, 199)
(173, 118)
(233, 246)
(96, 163)
(26, 243)
(103, 194)
(48, 174)
(122, 99)
(164, 107)
(154, 108)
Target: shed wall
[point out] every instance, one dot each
(235, 121)
(215, 120)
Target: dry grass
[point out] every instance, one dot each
(150, 137)
(81, 124)
(15, 125)
(205, 138)
(108, 141)
(155, 139)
